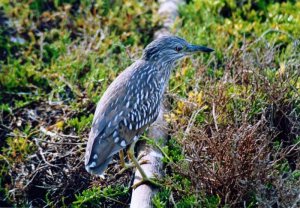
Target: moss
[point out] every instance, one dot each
(58, 57)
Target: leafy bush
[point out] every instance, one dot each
(96, 197)
(235, 105)
(235, 113)
(57, 58)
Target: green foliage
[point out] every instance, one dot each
(171, 152)
(17, 76)
(14, 153)
(283, 166)
(17, 149)
(80, 124)
(174, 151)
(235, 20)
(251, 24)
(212, 201)
(51, 57)
(296, 175)
(57, 58)
(252, 69)
(165, 198)
(5, 107)
(97, 196)
(188, 201)
(161, 199)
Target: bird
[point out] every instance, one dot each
(132, 102)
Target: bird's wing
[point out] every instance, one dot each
(143, 106)
(104, 139)
(106, 119)
(127, 108)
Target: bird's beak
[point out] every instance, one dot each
(196, 48)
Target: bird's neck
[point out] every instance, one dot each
(163, 75)
(165, 69)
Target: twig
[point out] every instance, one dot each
(172, 200)
(214, 116)
(42, 154)
(273, 31)
(191, 104)
(54, 134)
(296, 202)
(191, 123)
(71, 86)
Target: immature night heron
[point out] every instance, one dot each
(132, 102)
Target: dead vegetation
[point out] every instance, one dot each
(236, 119)
(242, 141)
(54, 67)
(52, 165)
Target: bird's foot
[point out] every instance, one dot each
(140, 156)
(126, 166)
(146, 180)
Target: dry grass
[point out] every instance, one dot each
(243, 155)
(54, 167)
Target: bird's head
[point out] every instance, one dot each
(171, 49)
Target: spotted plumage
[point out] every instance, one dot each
(132, 102)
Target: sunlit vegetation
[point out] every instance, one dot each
(57, 58)
(236, 112)
(234, 118)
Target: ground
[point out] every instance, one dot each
(234, 115)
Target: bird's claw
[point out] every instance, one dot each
(146, 181)
(127, 166)
(141, 156)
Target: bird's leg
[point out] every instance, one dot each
(130, 165)
(122, 161)
(145, 178)
(140, 157)
(125, 165)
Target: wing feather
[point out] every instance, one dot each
(125, 110)
(109, 113)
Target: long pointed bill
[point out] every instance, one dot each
(196, 48)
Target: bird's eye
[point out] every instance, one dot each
(178, 48)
